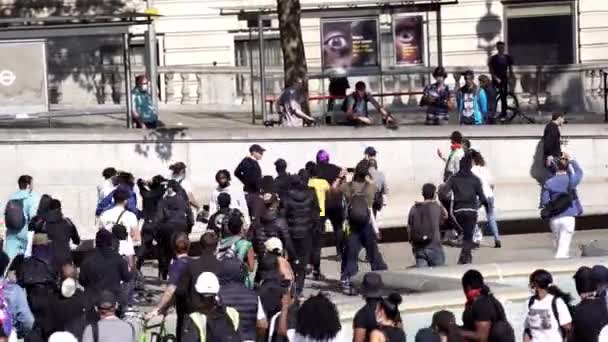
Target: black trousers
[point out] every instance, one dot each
(147, 243)
(467, 220)
(336, 218)
(362, 237)
(503, 91)
(317, 245)
(303, 247)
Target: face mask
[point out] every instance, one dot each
(68, 287)
(144, 87)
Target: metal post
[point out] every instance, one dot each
(126, 56)
(605, 95)
(439, 37)
(151, 67)
(251, 81)
(262, 66)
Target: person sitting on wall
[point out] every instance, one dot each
(289, 106)
(144, 113)
(355, 107)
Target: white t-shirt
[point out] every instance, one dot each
(604, 334)
(486, 179)
(541, 321)
(299, 338)
(109, 218)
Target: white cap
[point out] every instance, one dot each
(207, 283)
(274, 245)
(62, 336)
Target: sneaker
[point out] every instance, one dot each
(348, 289)
(497, 244)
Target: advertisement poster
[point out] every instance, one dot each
(349, 43)
(408, 40)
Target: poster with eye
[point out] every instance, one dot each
(408, 40)
(349, 43)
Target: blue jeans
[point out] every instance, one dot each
(429, 256)
(491, 217)
(358, 238)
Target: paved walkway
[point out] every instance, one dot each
(215, 116)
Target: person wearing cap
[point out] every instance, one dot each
(210, 319)
(438, 99)
(249, 172)
(590, 314)
(109, 328)
(237, 196)
(370, 153)
(365, 319)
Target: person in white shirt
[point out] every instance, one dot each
(178, 173)
(237, 196)
(120, 215)
(487, 183)
(548, 317)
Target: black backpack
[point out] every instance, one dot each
(560, 204)
(358, 208)
(222, 327)
(421, 225)
(35, 272)
(14, 217)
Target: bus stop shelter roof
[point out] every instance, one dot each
(317, 9)
(66, 26)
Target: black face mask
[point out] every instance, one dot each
(224, 185)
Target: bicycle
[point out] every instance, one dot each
(160, 336)
(513, 109)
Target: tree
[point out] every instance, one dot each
(294, 57)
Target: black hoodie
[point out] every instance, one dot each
(60, 231)
(466, 188)
(174, 214)
(269, 226)
(301, 210)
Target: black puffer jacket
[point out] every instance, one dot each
(174, 213)
(301, 210)
(269, 226)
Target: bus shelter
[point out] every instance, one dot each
(27, 37)
(355, 23)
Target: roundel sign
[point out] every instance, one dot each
(7, 78)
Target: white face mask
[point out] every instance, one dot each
(68, 287)
(144, 87)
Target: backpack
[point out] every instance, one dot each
(224, 328)
(358, 208)
(118, 229)
(14, 217)
(6, 318)
(555, 312)
(421, 225)
(35, 271)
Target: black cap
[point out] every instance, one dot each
(370, 151)
(106, 300)
(372, 285)
(256, 148)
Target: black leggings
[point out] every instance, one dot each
(467, 220)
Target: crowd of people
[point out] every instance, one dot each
(260, 243)
(474, 104)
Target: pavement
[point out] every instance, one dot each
(216, 116)
(531, 250)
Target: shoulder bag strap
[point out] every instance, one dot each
(95, 330)
(120, 216)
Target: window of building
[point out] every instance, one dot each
(541, 33)
(273, 56)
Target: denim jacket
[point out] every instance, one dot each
(23, 319)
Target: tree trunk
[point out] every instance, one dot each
(294, 58)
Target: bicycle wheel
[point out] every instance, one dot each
(512, 106)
